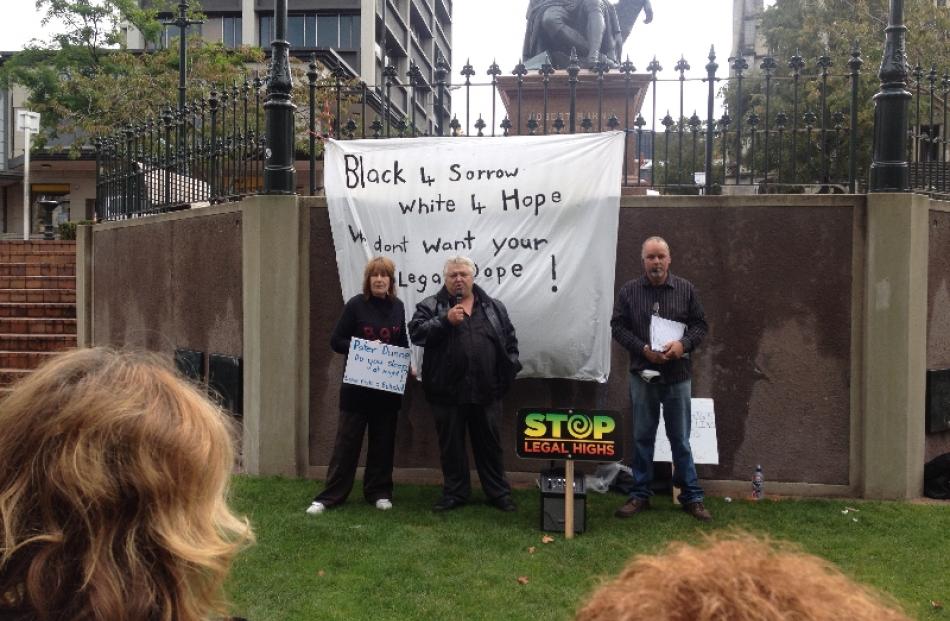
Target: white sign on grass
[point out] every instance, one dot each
(702, 436)
(537, 214)
(377, 365)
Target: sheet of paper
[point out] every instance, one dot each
(377, 365)
(702, 435)
(662, 331)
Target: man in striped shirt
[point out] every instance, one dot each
(660, 374)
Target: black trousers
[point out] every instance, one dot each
(378, 476)
(451, 423)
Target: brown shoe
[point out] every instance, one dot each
(632, 507)
(698, 511)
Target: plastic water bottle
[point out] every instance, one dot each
(758, 484)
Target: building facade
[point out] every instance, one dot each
(367, 35)
(747, 41)
(53, 176)
(350, 33)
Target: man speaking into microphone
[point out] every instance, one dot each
(469, 360)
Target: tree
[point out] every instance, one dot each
(811, 29)
(85, 83)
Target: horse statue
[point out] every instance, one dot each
(594, 29)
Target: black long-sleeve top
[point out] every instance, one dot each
(373, 319)
(676, 299)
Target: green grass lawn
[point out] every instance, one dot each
(356, 562)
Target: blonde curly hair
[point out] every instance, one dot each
(113, 483)
(734, 578)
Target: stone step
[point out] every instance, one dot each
(24, 359)
(45, 257)
(8, 377)
(37, 269)
(36, 325)
(36, 342)
(18, 246)
(57, 296)
(37, 282)
(50, 310)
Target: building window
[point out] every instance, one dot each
(167, 38)
(350, 31)
(309, 30)
(296, 31)
(266, 35)
(328, 31)
(231, 27)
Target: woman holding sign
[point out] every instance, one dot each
(373, 315)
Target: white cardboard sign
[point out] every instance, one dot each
(377, 365)
(702, 436)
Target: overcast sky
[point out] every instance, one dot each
(486, 30)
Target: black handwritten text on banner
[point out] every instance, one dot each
(537, 214)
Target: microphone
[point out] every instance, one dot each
(458, 299)
(656, 308)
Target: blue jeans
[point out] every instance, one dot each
(646, 399)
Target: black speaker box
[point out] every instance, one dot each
(552, 502)
(226, 382)
(190, 363)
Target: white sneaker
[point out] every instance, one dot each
(316, 508)
(384, 504)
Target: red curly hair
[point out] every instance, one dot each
(735, 578)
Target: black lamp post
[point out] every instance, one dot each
(889, 169)
(279, 112)
(182, 22)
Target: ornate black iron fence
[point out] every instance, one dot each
(927, 137)
(778, 131)
(210, 151)
(789, 125)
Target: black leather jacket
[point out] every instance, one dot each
(431, 330)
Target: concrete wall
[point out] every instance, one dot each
(824, 313)
(938, 308)
(170, 281)
(775, 275)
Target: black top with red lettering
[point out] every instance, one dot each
(373, 319)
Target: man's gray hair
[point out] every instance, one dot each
(654, 238)
(457, 260)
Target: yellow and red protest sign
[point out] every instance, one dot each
(580, 435)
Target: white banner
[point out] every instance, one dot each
(537, 214)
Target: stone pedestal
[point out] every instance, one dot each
(617, 95)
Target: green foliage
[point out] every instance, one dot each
(812, 28)
(85, 84)
(125, 86)
(67, 230)
(92, 26)
(357, 563)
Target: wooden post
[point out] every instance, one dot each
(569, 499)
